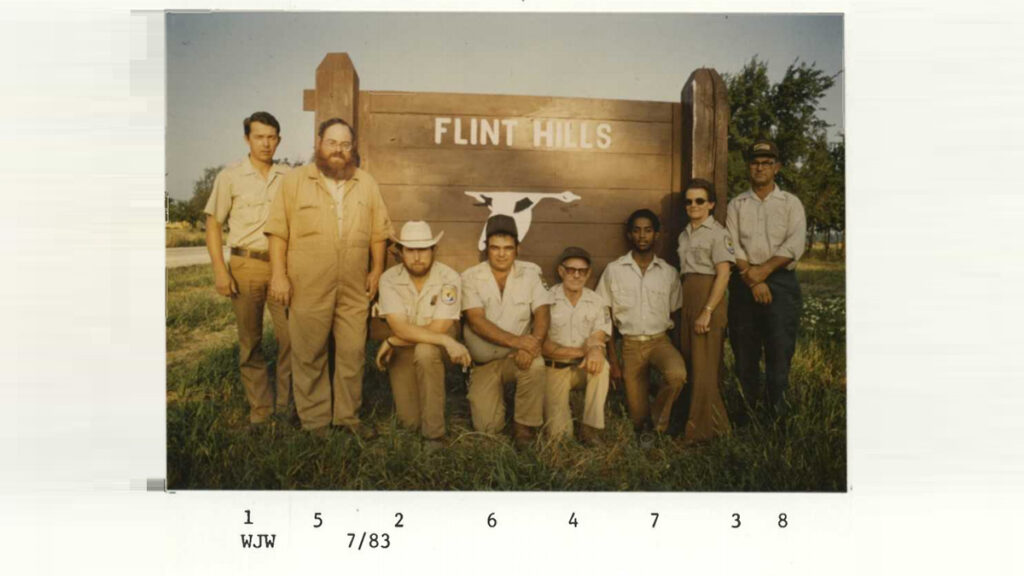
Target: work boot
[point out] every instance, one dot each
(432, 445)
(590, 436)
(522, 436)
(362, 431)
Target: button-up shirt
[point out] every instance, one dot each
(439, 299)
(511, 310)
(761, 229)
(642, 302)
(702, 248)
(572, 325)
(241, 196)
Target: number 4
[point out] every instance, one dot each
(573, 521)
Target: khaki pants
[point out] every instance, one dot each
(253, 277)
(329, 297)
(417, 384)
(637, 357)
(703, 354)
(557, 414)
(487, 394)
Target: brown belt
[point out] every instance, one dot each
(257, 254)
(557, 364)
(642, 337)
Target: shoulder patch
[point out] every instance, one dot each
(449, 293)
(728, 244)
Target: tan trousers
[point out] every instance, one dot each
(253, 277)
(637, 357)
(417, 384)
(557, 414)
(329, 297)
(487, 394)
(703, 354)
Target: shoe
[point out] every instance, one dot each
(321, 432)
(362, 431)
(522, 436)
(432, 445)
(590, 436)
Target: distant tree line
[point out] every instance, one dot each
(787, 112)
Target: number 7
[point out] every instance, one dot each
(655, 514)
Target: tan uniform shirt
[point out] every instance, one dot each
(305, 213)
(700, 249)
(642, 303)
(572, 325)
(242, 198)
(440, 298)
(511, 311)
(761, 229)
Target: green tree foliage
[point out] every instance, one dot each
(201, 190)
(787, 112)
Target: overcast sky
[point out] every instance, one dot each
(222, 67)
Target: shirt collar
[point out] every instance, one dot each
(707, 223)
(775, 193)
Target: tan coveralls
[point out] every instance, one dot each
(570, 327)
(242, 197)
(494, 366)
(327, 264)
(642, 304)
(417, 372)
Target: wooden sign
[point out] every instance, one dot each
(569, 170)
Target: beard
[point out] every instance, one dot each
(332, 168)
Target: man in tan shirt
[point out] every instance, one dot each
(420, 299)
(645, 296)
(581, 324)
(768, 229)
(241, 196)
(328, 226)
(507, 315)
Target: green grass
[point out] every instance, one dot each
(210, 446)
(180, 237)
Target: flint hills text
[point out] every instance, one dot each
(502, 131)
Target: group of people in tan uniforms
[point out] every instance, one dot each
(310, 244)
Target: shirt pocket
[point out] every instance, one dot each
(357, 219)
(308, 212)
(701, 257)
(657, 300)
(623, 297)
(521, 308)
(248, 209)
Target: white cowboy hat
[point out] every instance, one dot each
(417, 234)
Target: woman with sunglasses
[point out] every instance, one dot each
(706, 254)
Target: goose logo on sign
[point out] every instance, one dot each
(518, 205)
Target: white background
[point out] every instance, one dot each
(936, 463)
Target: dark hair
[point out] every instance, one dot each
(704, 184)
(331, 122)
(263, 118)
(643, 213)
(515, 239)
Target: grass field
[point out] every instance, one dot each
(211, 447)
(181, 234)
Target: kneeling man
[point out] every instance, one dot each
(420, 301)
(581, 323)
(507, 316)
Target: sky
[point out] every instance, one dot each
(221, 67)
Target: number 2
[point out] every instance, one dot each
(398, 523)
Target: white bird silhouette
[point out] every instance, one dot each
(518, 205)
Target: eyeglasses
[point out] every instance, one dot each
(697, 201)
(765, 164)
(345, 146)
(575, 271)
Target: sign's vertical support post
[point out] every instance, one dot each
(706, 134)
(336, 93)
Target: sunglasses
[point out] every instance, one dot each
(697, 201)
(575, 271)
(765, 164)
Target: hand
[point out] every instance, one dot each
(594, 360)
(614, 375)
(372, 280)
(280, 290)
(384, 356)
(457, 352)
(523, 359)
(529, 343)
(226, 285)
(762, 294)
(703, 323)
(755, 275)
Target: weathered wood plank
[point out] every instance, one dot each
(473, 168)
(520, 133)
(517, 106)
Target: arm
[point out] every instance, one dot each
(280, 286)
(215, 246)
(377, 251)
(487, 330)
(703, 323)
(436, 333)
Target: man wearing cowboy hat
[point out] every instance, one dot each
(768, 229)
(420, 299)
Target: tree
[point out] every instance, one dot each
(201, 191)
(787, 113)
